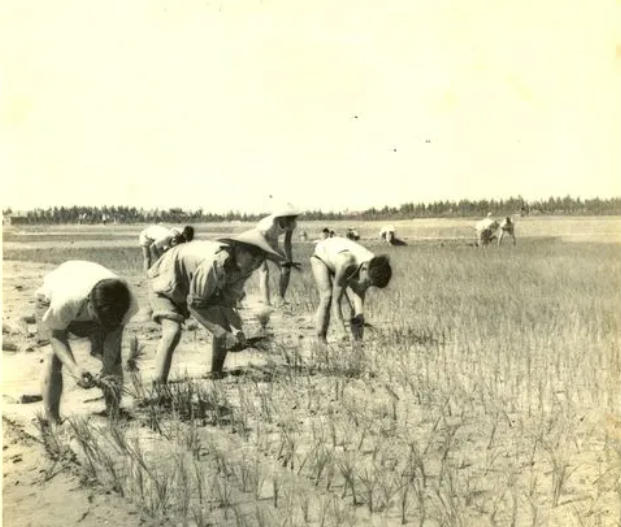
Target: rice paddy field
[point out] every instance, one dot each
(487, 390)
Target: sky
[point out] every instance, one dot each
(327, 104)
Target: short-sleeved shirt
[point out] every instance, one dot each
(67, 288)
(328, 250)
(271, 230)
(487, 225)
(159, 235)
(386, 229)
(198, 274)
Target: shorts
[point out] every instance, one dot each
(164, 307)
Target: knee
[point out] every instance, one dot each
(171, 330)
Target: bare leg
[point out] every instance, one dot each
(52, 387)
(264, 283)
(218, 355)
(285, 275)
(171, 334)
(321, 274)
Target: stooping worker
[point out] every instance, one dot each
(387, 234)
(342, 267)
(486, 230)
(282, 222)
(205, 280)
(506, 227)
(155, 240)
(85, 300)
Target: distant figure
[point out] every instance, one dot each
(332, 233)
(507, 227)
(155, 240)
(85, 300)
(344, 268)
(486, 230)
(325, 233)
(303, 236)
(352, 234)
(282, 222)
(387, 233)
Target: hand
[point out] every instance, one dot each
(85, 379)
(241, 338)
(357, 321)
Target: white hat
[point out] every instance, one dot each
(255, 238)
(285, 210)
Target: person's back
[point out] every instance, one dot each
(487, 224)
(153, 233)
(328, 249)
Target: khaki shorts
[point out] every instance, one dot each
(164, 307)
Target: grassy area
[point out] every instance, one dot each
(486, 393)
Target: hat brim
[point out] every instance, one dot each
(292, 213)
(255, 239)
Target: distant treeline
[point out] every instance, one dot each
(443, 209)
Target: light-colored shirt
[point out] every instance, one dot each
(386, 229)
(487, 224)
(67, 288)
(159, 235)
(328, 250)
(198, 274)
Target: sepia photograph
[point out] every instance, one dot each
(324, 263)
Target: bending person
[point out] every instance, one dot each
(155, 240)
(344, 268)
(86, 300)
(272, 227)
(205, 280)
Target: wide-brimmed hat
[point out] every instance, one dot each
(254, 238)
(285, 210)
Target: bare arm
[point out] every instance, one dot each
(288, 245)
(214, 328)
(345, 267)
(60, 346)
(62, 350)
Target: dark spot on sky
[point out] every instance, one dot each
(427, 140)
(394, 149)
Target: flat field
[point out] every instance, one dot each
(487, 391)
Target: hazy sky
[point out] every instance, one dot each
(329, 104)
